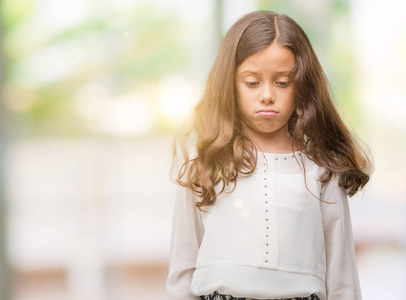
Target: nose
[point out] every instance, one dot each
(267, 95)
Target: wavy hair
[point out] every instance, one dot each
(222, 150)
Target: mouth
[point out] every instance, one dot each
(266, 112)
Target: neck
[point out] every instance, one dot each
(272, 142)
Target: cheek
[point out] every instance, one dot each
(239, 93)
(240, 107)
(241, 99)
(290, 101)
(244, 106)
(245, 95)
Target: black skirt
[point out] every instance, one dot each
(217, 296)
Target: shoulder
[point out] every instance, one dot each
(184, 193)
(185, 201)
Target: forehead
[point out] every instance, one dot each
(273, 59)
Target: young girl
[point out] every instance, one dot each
(262, 209)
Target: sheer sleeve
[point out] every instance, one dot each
(342, 282)
(187, 233)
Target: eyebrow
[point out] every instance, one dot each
(253, 72)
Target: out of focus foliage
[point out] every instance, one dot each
(87, 67)
(69, 62)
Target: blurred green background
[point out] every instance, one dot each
(92, 93)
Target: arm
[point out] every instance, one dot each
(342, 282)
(187, 233)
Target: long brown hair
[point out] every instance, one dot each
(222, 150)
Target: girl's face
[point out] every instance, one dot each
(264, 92)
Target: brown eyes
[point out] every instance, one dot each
(283, 83)
(278, 83)
(251, 84)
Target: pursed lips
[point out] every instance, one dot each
(266, 112)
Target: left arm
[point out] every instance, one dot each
(342, 282)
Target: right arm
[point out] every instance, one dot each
(187, 234)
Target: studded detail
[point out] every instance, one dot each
(267, 194)
(267, 215)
